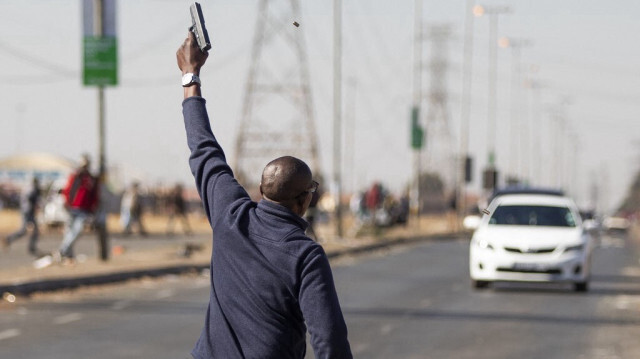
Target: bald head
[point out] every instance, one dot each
(285, 178)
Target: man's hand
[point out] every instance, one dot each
(190, 58)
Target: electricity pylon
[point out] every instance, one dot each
(440, 147)
(277, 113)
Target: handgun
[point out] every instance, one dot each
(198, 28)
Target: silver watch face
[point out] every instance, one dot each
(187, 79)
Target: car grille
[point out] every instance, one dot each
(541, 271)
(530, 251)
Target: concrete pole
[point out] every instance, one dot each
(493, 88)
(337, 111)
(493, 12)
(350, 136)
(103, 236)
(536, 135)
(465, 107)
(415, 195)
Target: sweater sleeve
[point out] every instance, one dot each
(214, 179)
(321, 309)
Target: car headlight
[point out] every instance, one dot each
(577, 248)
(484, 244)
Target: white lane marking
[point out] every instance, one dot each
(627, 302)
(22, 311)
(165, 293)
(612, 242)
(121, 304)
(9, 333)
(631, 271)
(386, 329)
(607, 353)
(67, 318)
(201, 283)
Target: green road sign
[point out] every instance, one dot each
(417, 133)
(100, 61)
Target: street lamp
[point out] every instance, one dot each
(464, 164)
(493, 12)
(515, 124)
(535, 155)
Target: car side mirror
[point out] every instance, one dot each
(471, 222)
(589, 225)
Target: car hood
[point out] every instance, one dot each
(529, 236)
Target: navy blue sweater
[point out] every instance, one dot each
(267, 278)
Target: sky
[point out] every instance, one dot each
(583, 56)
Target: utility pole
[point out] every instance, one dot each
(559, 118)
(417, 133)
(465, 107)
(493, 12)
(515, 162)
(350, 134)
(535, 168)
(337, 111)
(98, 32)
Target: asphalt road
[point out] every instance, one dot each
(410, 302)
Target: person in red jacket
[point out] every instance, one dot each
(81, 201)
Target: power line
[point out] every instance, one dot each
(24, 56)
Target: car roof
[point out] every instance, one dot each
(533, 199)
(526, 190)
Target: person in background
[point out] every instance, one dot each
(131, 210)
(29, 203)
(177, 208)
(81, 200)
(312, 215)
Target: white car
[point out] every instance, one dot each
(54, 214)
(531, 238)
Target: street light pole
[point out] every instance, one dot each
(536, 133)
(103, 237)
(465, 106)
(414, 194)
(515, 123)
(337, 111)
(493, 12)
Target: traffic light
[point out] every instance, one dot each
(489, 178)
(468, 169)
(417, 132)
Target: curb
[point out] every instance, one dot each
(28, 288)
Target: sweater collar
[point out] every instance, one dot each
(281, 211)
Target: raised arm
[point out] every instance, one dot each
(190, 61)
(214, 178)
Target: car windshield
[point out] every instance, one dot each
(533, 216)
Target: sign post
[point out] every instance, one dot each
(100, 69)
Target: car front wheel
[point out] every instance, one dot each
(581, 286)
(479, 284)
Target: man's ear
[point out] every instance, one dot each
(301, 200)
(260, 187)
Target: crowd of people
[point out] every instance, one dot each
(80, 199)
(379, 207)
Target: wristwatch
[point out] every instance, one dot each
(189, 79)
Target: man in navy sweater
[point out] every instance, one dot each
(269, 282)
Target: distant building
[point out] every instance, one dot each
(17, 170)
